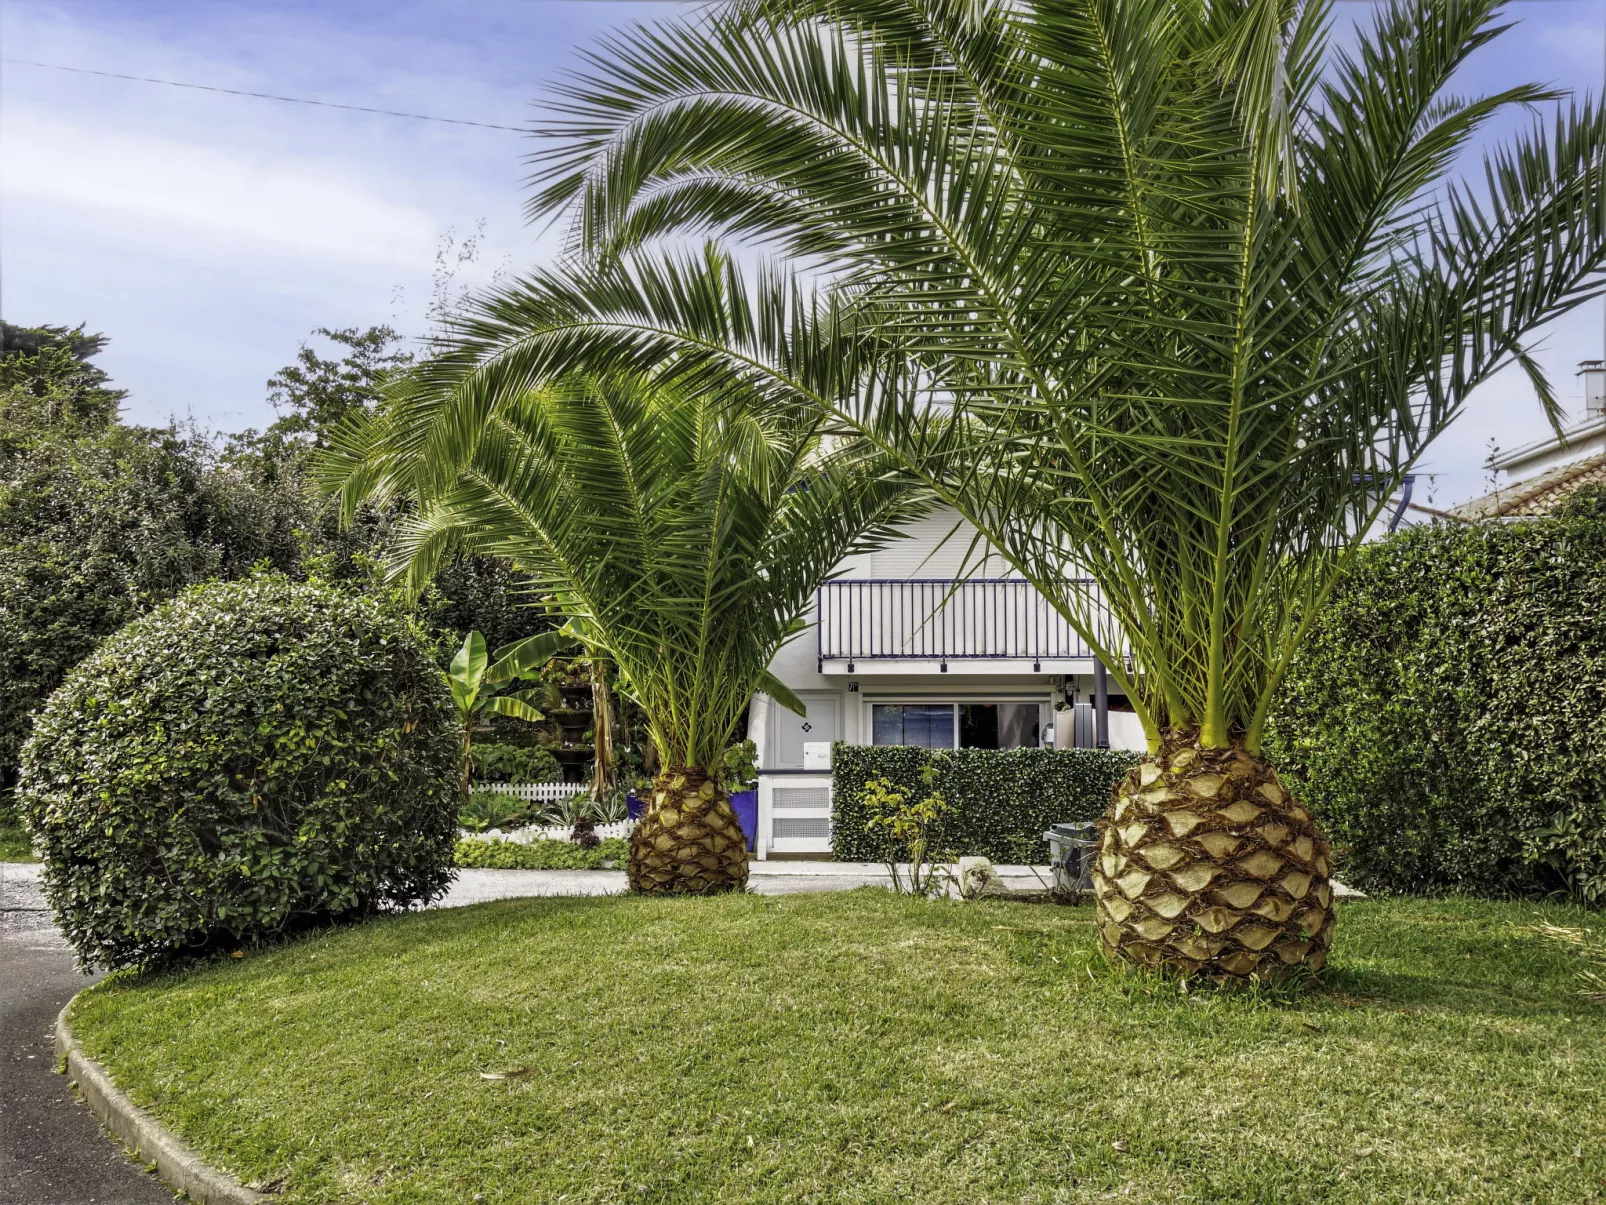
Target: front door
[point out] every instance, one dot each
(792, 731)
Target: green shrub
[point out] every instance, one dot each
(477, 853)
(1000, 801)
(249, 758)
(492, 809)
(496, 762)
(1444, 719)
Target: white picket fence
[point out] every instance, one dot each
(534, 792)
(523, 836)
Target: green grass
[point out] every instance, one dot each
(14, 843)
(864, 1047)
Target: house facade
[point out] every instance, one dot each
(926, 642)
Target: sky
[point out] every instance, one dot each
(208, 235)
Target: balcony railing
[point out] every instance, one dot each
(928, 619)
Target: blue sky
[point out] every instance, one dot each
(208, 234)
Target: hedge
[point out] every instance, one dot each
(544, 854)
(1002, 799)
(495, 761)
(251, 758)
(1445, 718)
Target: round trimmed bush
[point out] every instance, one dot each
(251, 758)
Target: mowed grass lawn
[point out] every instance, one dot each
(864, 1047)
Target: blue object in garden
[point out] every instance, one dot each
(745, 805)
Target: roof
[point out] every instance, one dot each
(1592, 424)
(1537, 495)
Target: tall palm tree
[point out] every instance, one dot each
(1166, 293)
(681, 533)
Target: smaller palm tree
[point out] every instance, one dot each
(681, 533)
(480, 686)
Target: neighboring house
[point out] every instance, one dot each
(1544, 472)
(927, 642)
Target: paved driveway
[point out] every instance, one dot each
(52, 1150)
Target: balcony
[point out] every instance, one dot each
(938, 620)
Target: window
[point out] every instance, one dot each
(930, 726)
(976, 725)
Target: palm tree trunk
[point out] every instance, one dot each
(1208, 867)
(468, 764)
(688, 841)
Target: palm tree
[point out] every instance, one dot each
(1164, 293)
(682, 534)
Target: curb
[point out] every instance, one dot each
(179, 1167)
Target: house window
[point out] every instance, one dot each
(956, 725)
(930, 726)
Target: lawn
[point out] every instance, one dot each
(15, 845)
(864, 1047)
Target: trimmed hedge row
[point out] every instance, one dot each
(1002, 799)
(1444, 718)
(546, 854)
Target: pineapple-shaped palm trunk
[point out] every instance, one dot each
(688, 841)
(1207, 866)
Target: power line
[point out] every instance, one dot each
(294, 100)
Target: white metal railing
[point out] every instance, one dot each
(932, 619)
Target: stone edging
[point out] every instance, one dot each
(179, 1167)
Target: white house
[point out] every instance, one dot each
(922, 643)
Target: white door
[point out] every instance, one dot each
(793, 731)
(794, 809)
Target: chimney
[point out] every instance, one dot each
(1594, 374)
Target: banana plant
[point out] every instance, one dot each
(480, 686)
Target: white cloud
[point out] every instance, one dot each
(297, 206)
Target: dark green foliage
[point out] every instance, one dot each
(496, 762)
(1444, 720)
(1585, 502)
(99, 522)
(539, 855)
(1000, 800)
(250, 758)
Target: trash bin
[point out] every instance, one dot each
(1070, 852)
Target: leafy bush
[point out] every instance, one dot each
(249, 758)
(1000, 801)
(496, 762)
(473, 852)
(492, 809)
(1445, 714)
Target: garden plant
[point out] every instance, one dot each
(680, 531)
(250, 759)
(1168, 296)
(480, 687)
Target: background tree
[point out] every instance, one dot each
(1157, 292)
(681, 535)
(481, 687)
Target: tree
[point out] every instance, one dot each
(681, 535)
(480, 686)
(1160, 293)
(98, 521)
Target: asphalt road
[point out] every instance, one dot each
(52, 1150)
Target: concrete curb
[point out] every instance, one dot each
(179, 1167)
